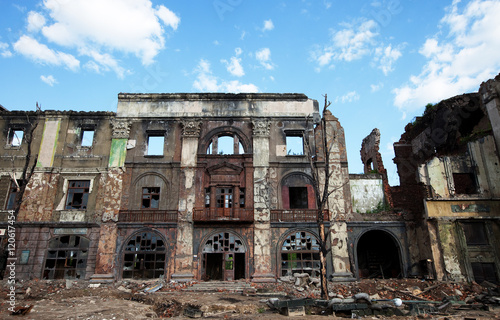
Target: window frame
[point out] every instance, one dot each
(12, 194)
(150, 194)
(84, 197)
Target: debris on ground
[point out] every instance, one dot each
(295, 295)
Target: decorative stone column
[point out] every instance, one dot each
(187, 193)
(339, 201)
(109, 202)
(262, 199)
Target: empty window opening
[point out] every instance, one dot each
(78, 194)
(66, 258)
(15, 138)
(155, 145)
(378, 256)
(87, 138)
(465, 183)
(225, 145)
(300, 254)
(294, 145)
(484, 271)
(298, 198)
(475, 233)
(144, 257)
(11, 198)
(224, 258)
(150, 198)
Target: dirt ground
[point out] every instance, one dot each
(50, 300)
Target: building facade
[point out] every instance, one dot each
(184, 186)
(448, 164)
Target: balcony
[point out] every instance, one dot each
(223, 215)
(297, 215)
(147, 216)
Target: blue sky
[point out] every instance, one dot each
(380, 62)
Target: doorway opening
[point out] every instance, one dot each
(224, 258)
(378, 256)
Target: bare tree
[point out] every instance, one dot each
(27, 171)
(321, 175)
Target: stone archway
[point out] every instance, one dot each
(378, 255)
(224, 257)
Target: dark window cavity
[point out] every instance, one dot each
(150, 198)
(298, 198)
(475, 233)
(144, 257)
(465, 183)
(78, 194)
(66, 258)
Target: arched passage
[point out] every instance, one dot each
(144, 256)
(224, 257)
(378, 255)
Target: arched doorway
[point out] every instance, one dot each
(378, 255)
(144, 256)
(66, 258)
(224, 256)
(300, 254)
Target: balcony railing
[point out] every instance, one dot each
(223, 214)
(297, 215)
(147, 216)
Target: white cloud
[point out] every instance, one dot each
(168, 17)
(40, 53)
(102, 28)
(350, 43)
(35, 21)
(386, 57)
(268, 25)
(327, 4)
(50, 80)
(234, 65)
(458, 61)
(264, 57)
(376, 87)
(4, 50)
(348, 97)
(207, 82)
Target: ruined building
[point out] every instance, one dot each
(449, 168)
(184, 186)
(220, 187)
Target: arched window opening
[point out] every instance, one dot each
(144, 257)
(225, 145)
(66, 258)
(300, 254)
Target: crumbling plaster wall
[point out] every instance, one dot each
(367, 192)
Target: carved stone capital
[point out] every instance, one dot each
(261, 128)
(191, 128)
(120, 129)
